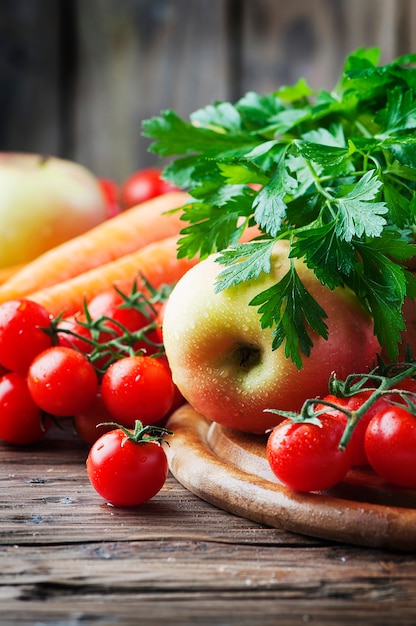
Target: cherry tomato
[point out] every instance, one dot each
(74, 338)
(21, 334)
(21, 420)
(353, 403)
(62, 381)
(86, 422)
(144, 185)
(111, 193)
(305, 456)
(138, 387)
(3, 370)
(390, 444)
(111, 304)
(125, 471)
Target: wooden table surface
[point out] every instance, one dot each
(67, 558)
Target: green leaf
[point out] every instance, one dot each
(400, 113)
(401, 170)
(383, 285)
(270, 203)
(322, 154)
(359, 214)
(388, 318)
(255, 109)
(290, 309)
(213, 225)
(337, 171)
(296, 92)
(330, 257)
(240, 173)
(220, 117)
(244, 262)
(175, 136)
(397, 203)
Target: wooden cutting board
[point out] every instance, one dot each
(230, 470)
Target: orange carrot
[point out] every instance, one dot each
(7, 272)
(125, 233)
(157, 262)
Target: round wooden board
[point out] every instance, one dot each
(229, 470)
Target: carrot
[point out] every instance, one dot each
(9, 270)
(157, 262)
(116, 237)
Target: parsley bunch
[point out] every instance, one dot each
(334, 173)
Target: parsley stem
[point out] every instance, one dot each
(358, 124)
(317, 182)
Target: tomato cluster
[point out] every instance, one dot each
(140, 186)
(307, 452)
(104, 368)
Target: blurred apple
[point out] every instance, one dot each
(222, 360)
(43, 202)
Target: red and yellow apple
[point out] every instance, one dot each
(222, 360)
(43, 202)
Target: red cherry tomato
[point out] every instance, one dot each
(111, 304)
(144, 185)
(71, 334)
(111, 191)
(86, 422)
(21, 420)
(21, 334)
(305, 456)
(353, 403)
(126, 472)
(62, 381)
(390, 444)
(138, 387)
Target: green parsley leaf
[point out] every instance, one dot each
(332, 172)
(290, 309)
(244, 262)
(359, 213)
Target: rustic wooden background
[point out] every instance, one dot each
(77, 77)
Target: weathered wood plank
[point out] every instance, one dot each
(175, 588)
(311, 39)
(143, 57)
(200, 609)
(199, 565)
(77, 79)
(46, 498)
(30, 84)
(68, 558)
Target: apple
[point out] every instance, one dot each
(222, 360)
(43, 202)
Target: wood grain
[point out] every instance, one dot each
(67, 558)
(311, 39)
(30, 113)
(143, 57)
(229, 470)
(77, 78)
